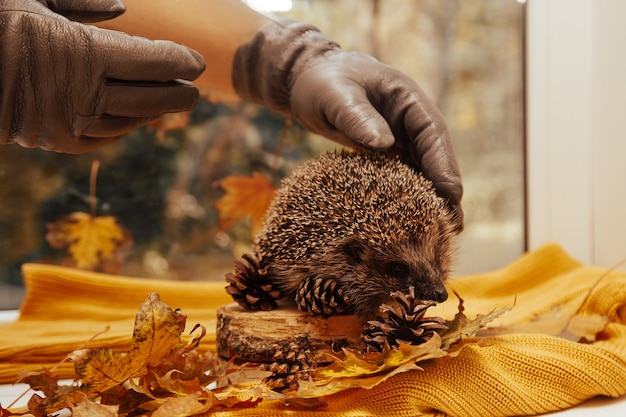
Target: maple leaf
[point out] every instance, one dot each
(89, 239)
(156, 333)
(158, 376)
(245, 197)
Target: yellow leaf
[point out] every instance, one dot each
(462, 326)
(561, 320)
(86, 408)
(357, 371)
(356, 365)
(245, 197)
(157, 332)
(89, 239)
(183, 406)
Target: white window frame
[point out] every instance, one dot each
(576, 136)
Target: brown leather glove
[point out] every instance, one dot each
(70, 87)
(349, 97)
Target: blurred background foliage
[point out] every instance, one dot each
(467, 55)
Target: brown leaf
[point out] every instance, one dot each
(174, 385)
(90, 240)
(44, 381)
(245, 197)
(87, 408)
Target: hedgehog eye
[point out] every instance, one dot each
(397, 270)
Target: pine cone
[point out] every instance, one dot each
(250, 285)
(321, 297)
(292, 363)
(402, 322)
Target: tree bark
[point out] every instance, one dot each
(263, 336)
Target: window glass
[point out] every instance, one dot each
(161, 186)
(468, 56)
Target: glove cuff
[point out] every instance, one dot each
(265, 68)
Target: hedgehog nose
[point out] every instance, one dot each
(439, 295)
(436, 293)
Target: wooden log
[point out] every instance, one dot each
(257, 336)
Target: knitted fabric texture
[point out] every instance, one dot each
(506, 375)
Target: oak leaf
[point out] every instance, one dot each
(245, 197)
(89, 239)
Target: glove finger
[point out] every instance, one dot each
(341, 112)
(147, 99)
(132, 58)
(432, 148)
(437, 162)
(86, 11)
(419, 127)
(101, 129)
(83, 145)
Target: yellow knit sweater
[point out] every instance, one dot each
(507, 375)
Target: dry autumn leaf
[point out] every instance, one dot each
(355, 370)
(562, 321)
(157, 332)
(183, 406)
(245, 197)
(158, 376)
(461, 326)
(89, 239)
(86, 408)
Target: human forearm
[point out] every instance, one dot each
(214, 28)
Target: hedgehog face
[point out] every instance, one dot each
(377, 271)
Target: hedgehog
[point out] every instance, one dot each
(345, 230)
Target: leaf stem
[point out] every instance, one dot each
(95, 165)
(596, 285)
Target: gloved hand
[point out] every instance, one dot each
(349, 97)
(70, 87)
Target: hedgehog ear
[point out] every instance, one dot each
(353, 248)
